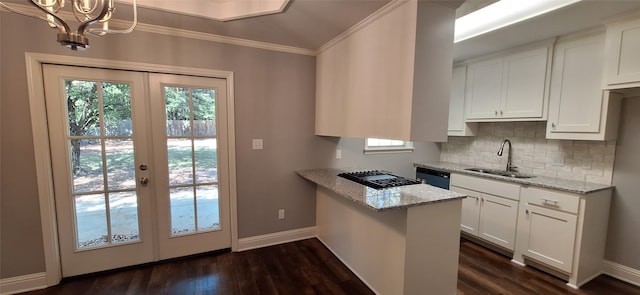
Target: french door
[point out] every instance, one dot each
(139, 166)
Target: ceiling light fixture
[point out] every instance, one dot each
(90, 14)
(501, 14)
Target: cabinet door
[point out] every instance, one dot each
(484, 87)
(525, 78)
(549, 236)
(575, 85)
(469, 220)
(623, 61)
(498, 218)
(457, 118)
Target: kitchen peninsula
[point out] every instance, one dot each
(399, 240)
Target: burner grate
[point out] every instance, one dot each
(378, 179)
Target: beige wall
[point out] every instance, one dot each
(623, 241)
(274, 97)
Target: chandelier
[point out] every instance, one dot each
(93, 17)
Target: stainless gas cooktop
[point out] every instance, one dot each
(378, 179)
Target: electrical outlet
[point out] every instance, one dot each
(281, 214)
(338, 153)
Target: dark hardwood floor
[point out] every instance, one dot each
(307, 267)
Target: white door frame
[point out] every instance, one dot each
(41, 144)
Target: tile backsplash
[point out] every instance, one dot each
(532, 153)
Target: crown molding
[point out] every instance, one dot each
(163, 30)
(222, 39)
(363, 23)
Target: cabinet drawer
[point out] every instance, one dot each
(493, 187)
(550, 199)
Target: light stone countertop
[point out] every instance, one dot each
(572, 186)
(378, 200)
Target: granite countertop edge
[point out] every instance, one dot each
(421, 194)
(566, 185)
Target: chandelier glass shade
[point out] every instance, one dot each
(92, 15)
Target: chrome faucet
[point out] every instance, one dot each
(510, 166)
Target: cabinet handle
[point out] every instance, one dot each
(553, 125)
(500, 112)
(526, 211)
(496, 112)
(550, 202)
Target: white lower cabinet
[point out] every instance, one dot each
(564, 233)
(497, 220)
(548, 236)
(559, 232)
(489, 216)
(470, 219)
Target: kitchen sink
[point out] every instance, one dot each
(511, 174)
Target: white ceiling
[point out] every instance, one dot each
(580, 16)
(309, 24)
(305, 24)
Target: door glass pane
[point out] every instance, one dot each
(91, 221)
(105, 199)
(206, 160)
(204, 112)
(86, 165)
(124, 217)
(192, 149)
(82, 107)
(117, 109)
(178, 111)
(179, 153)
(208, 207)
(182, 210)
(121, 167)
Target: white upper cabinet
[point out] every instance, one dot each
(484, 89)
(457, 115)
(389, 77)
(510, 87)
(575, 85)
(622, 63)
(526, 77)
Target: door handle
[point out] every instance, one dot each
(144, 180)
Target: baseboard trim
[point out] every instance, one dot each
(621, 272)
(282, 237)
(19, 284)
